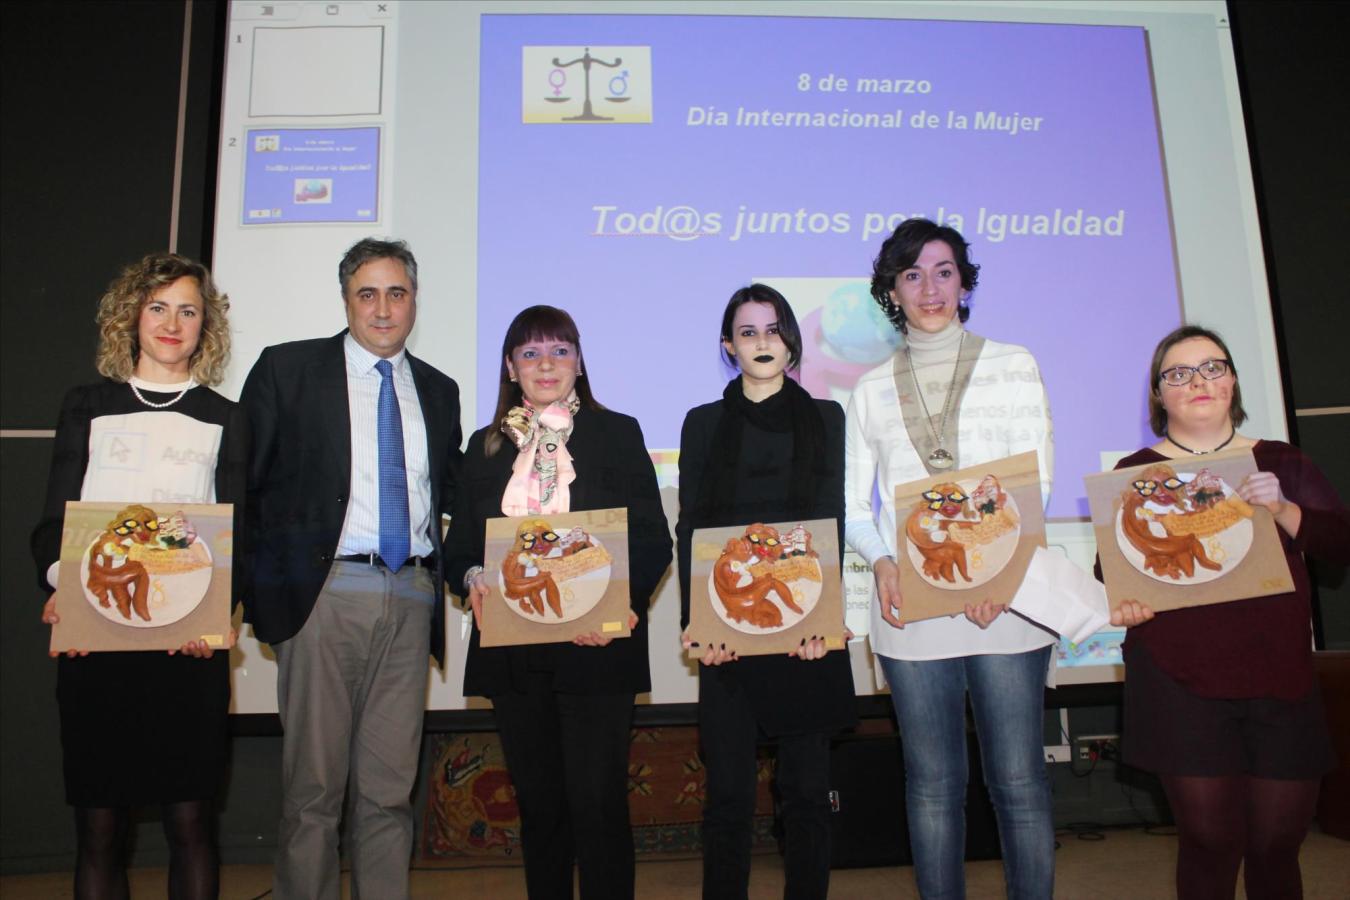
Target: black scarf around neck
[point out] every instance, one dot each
(790, 411)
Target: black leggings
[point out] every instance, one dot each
(101, 842)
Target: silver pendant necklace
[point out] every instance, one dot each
(940, 458)
(166, 404)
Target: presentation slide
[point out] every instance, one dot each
(635, 163)
(312, 175)
(659, 173)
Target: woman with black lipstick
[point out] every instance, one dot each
(766, 452)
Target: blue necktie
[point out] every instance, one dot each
(394, 541)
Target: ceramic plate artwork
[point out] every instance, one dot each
(1185, 528)
(553, 577)
(765, 581)
(146, 570)
(962, 533)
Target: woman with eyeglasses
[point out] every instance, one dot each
(1221, 700)
(145, 727)
(564, 711)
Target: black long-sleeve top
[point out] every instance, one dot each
(790, 696)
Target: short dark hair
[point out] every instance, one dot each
(899, 252)
(536, 323)
(1157, 414)
(788, 329)
(370, 249)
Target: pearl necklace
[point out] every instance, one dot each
(141, 397)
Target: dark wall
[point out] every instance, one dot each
(91, 95)
(1292, 62)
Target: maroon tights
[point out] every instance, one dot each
(1234, 819)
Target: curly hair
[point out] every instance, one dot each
(900, 251)
(119, 314)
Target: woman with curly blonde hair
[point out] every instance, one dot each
(146, 727)
(119, 312)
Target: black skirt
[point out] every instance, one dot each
(1171, 731)
(143, 727)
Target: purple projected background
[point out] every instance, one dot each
(599, 218)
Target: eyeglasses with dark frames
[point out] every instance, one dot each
(1210, 369)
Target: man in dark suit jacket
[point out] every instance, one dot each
(355, 450)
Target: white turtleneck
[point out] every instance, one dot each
(939, 346)
(1004, 411)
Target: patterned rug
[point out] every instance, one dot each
(471, 815)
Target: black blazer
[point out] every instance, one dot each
(300, 475)
(613, 470)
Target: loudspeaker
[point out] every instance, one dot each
(867, 796)
(867, 802)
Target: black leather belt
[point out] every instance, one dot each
(373, 559)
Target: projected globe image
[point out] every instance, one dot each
(854, 327)
(844, 337)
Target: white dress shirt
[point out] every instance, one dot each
(361, 530)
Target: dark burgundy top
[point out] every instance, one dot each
(1260, 647)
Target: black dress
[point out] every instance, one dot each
(789, 696)
(142, 727)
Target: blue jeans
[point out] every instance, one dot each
(1006, 692)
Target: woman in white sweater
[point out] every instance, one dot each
(949, 399)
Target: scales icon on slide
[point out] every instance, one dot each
(618, 85)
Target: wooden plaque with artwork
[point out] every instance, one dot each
(762, 588)
(967, 536)
(555, 576)
(1174, 534)
(144, 576)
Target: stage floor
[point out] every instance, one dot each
(1123, 865)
